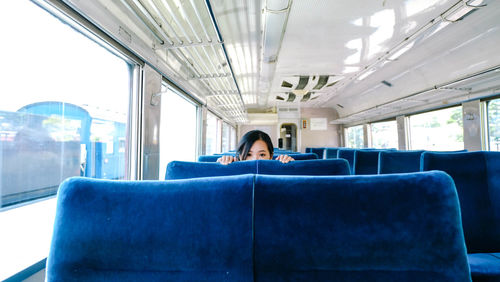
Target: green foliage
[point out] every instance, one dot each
(456, 117)
(494, 121)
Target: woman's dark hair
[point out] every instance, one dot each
(247, 141)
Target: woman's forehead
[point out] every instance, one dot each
(259, 145)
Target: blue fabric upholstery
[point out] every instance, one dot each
(331, 153)
(399, 161)
(304, 156)
(319, 152)
(347, 154)
(306, 167)
(366, 161)
(401, 227)
(296, 156)
(485, 266)
(209, 158)
(184, 230)
(477, 178)
(183, 170)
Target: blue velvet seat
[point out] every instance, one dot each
(318, 151)
(402, 227)
(185, 230)
(182, 170)
(392, 161)
(296, 156)
(477, 179)
(331, 153)
(304, 156)
(347, 154)
(366, 161)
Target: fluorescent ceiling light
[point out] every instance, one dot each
(464, 9)
(401, 51)
(366, 74)
(273, 30)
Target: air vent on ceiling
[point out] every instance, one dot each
(306, 97)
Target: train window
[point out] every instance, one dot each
(178, 128)
(354, 137)
(440, 130)
(233, 138)
(493, 108)
(226, 137)
(211, 134)
(384, 134)
(65, 105)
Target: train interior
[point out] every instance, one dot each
(118, 90)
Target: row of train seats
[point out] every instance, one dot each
(477, 179)
(295, 155)
(290, 226)
(183, 170)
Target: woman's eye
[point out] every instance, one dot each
(262, 155)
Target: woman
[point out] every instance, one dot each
(254, 145)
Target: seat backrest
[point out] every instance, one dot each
(476, 176)
(347, 154)
(318, 151)
(296, 156)
(185, 230)
(366, 161)
(306, 167)
(211, 158)
(403, 227)
(183, 170)
(331, 153)
(303, 156)
(399, 161)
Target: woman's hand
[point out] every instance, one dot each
(284, 158)
(226, 159)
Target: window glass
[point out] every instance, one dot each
(226, 137)
(384, 134)
(178, 129)
(354, 137)
(233, 139)
(494, 125)
(211, 135)
(65, 102)
(440, 130)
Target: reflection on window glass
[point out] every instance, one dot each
(354, 137)
(178, 129)
(494, 125)
(384, 134)
(64, 109)
(211, 136)
(440, 130)
(226, 137)
(233, 139)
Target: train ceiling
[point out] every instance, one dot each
(366, 59)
